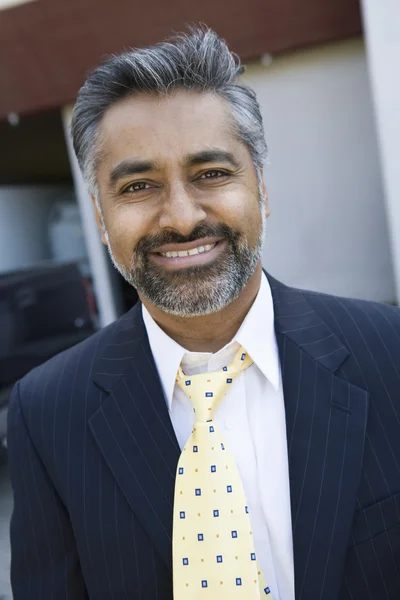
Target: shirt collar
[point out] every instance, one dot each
(256, 335)
(167, 354)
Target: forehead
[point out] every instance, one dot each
(167, 128)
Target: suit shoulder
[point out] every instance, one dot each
(354, 305)
(351, 317)
(63, 369)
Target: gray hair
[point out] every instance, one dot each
(197, 61)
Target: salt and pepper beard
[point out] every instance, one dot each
(200, 289)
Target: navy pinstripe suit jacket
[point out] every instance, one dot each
(93, 455)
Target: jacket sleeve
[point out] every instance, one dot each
(44, 558)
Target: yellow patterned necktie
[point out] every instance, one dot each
(213, 549)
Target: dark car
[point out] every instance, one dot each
(43, 311)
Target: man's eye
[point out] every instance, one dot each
(136, 187)
(214, 174)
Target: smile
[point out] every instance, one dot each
(193, 252)
(201, 254)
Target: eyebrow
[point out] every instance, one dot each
(128, 167)
(212, 155)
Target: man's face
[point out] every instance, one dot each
(175, 179)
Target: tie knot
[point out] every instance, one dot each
(205, 390)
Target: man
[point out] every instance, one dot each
(120, 490)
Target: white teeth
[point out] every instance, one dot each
(181, 253)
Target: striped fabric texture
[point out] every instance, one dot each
(93, 459)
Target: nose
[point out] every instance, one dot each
(181, 212)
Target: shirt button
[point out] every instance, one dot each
(229, 424)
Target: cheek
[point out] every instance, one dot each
(125, 230)
(246, 216)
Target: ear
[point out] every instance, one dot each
(264, 194)
(99, 220)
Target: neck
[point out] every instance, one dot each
(212, 332)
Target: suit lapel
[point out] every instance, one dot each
(326, 421)
(134, 431)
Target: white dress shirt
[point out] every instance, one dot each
(251, 418)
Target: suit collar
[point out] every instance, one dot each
(299, 322)
(123, 344)
(294, 318)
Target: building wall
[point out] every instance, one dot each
(327, 229)
(382, 24)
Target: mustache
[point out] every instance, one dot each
(150, 243)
